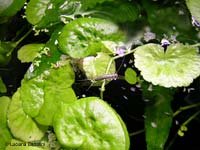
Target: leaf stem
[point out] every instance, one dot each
(191, 118)
(23, 37)
(136, 132)
(102, 89)
(185, 108)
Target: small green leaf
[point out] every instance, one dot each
(3, 88)
(82, 37)
(28, 52)
(10, 7)
(21, 125)
(130, 76)
(96, 66)
(90, 123)
(5, 135)
(176, 67)
(194, 7)
(158, 119)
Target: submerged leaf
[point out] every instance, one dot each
(90, 123)
(176, 67)
(158, 120)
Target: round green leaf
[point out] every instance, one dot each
(5, 135)
(28, 52)
(176, 67)
(32, 95)
(20, 124)
(96, 66)
(35, 10)
(82, 37)
(130, 76)
(194, 7)
(10, 7)
(89, 124)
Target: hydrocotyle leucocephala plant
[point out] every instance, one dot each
(84, 39)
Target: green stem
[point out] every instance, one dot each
(137, 132)
(102, 89)
(185, 108)
(23, 37)
(191, 118)
(19, 41)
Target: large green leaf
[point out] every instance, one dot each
(176, 67)
(28, 52)
(5, 135)
(90, 123)
(21, 125)
(82, 37)
(194, 7)
(10, 7)
(158, 119)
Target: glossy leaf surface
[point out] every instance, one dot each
(176, 67)
(90, 123)
(82, 37)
